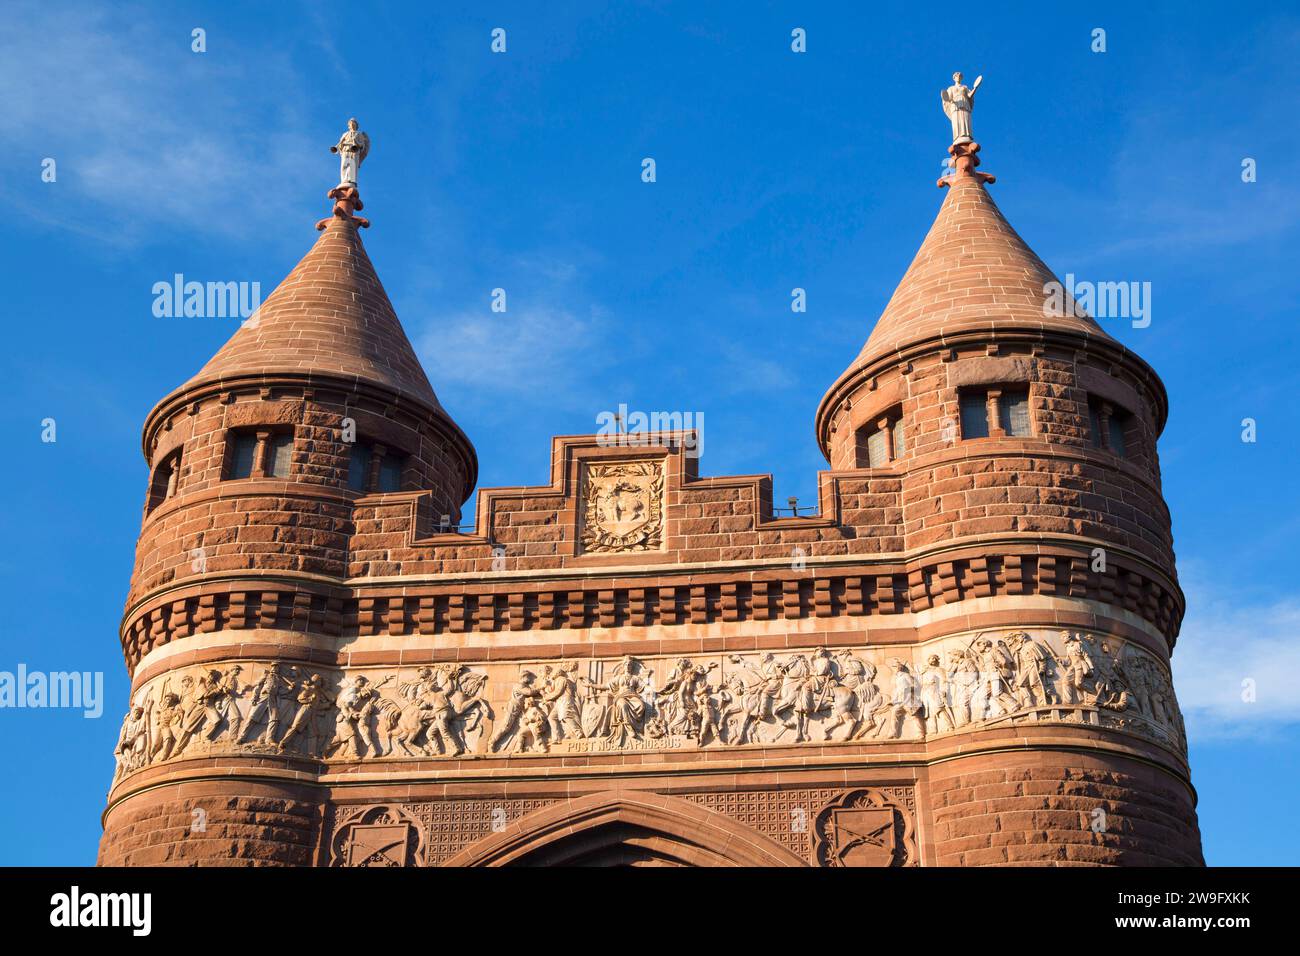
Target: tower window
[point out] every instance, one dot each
(995, 412)
(373, 468)
(165, 479)
(390, 473)
(881, 442)
(1013, 413)
(259, 453)
(1108, 426)
(359, 467)
(242, 454)
(279, 455)
(975, 414)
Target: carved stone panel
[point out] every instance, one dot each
(383, 836)
(622, 506)
(864, 828)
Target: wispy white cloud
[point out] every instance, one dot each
(1237, 665)
(1175, 184)
(520, 351)
(146, 133)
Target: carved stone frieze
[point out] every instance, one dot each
(622, 506)
(759, 699)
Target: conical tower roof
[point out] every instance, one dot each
(972, 272)
(329, 317)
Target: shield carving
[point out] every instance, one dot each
(866, 827)
(622, 506)
(379, 845)
(862, 837)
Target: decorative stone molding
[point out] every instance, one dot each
(679, 599)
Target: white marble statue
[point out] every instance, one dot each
(353, 147)
(958, 101)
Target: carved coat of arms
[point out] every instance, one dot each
(377, 836)
(622, 506)
(863, 828)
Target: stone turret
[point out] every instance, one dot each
(1021, 433)
(317, 400)
(257, 467)
(973, 377)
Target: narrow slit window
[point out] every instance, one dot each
(165, 478)
(876, 449)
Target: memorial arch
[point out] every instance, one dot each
(626, 828)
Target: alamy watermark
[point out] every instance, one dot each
(624, 429)
(79, 690)
(126, 910)
(1101, 300)
(206, 300)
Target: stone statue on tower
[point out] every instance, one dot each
(353, 147)
(958, 102)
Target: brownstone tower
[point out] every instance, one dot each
(961, 659)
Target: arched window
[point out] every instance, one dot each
(166, 476)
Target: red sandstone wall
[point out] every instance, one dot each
(243, 824)
(1038, 809)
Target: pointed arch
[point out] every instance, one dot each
(626, 827)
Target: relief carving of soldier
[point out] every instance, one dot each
(522, 697)
(132, 751)
(200, 698)
(354, 734)
(171, 712)
(1080, 686)
(435, 713)
(997, 676)
(1033, 681)
(312, 700)
(753, 695)
(228, 692)
(797, 700)
(560, 694)
(904, 702)
(934, 696)
(270, 694)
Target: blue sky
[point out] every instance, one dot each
(522, 171)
